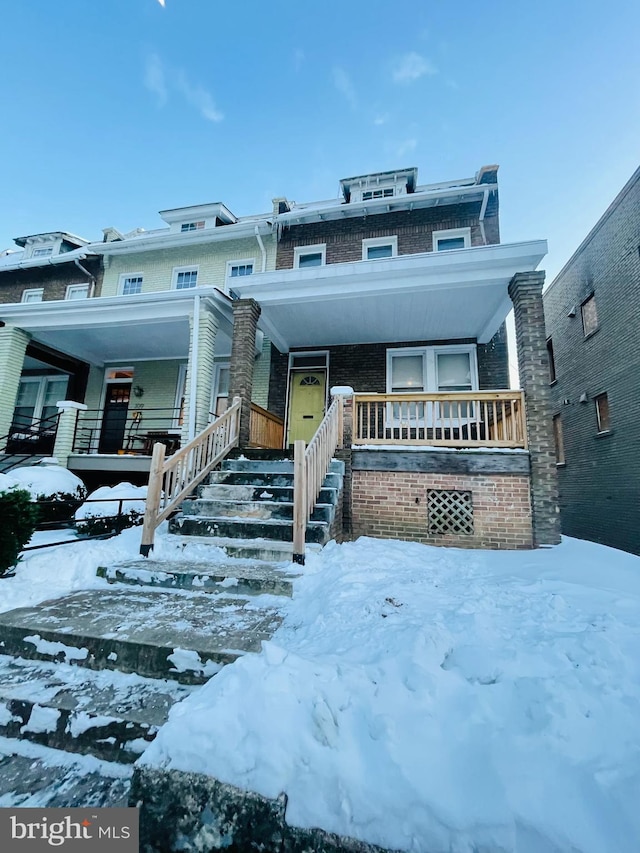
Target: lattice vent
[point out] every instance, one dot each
(449, 511)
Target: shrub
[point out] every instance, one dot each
(111, 509)
(58, 492)
(18, 519)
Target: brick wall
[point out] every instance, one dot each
(393, 505)
(54, 280)
(600, 481)
(413, 228)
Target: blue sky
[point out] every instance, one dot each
(114, 110)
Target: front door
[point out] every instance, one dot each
(306, 403)
(114, 418)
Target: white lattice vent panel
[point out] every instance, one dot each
(449, 511)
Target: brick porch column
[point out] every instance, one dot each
(206, 341)
(245, 322)
(525, 291)
(13, 345)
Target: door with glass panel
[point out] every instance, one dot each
(34, 416)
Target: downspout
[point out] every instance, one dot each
(483, 210)
(91, 277)
(262, 249)
(193, 384)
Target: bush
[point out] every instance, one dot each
(58, 492)
(18, 519)
(111, 509)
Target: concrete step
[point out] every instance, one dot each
(171, 634)
(279, 494)
(252, 510)
(282, 530)
(33, 776)
(110, 715)
(266, 480)
(251, 549)
(272, 466)
(237, 577)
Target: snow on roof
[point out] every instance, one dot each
(10, 257)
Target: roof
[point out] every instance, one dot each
(66, 235)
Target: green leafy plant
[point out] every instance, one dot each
(18, 519)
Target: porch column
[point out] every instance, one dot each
(199, 377)
(13, 345)
(65, 433)
(245, 323)
(525, 291)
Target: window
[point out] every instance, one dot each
(309, 256)
(589, 315)
(558, 439)
(34, 294)
(379, 247)
(44, 252)
(221, 397)
(131, 283)
(602, 413)
(367, 195)
(452, 238)
(185, 277)
(239, 268)
(552, 362)
(453, 371)
(77, 291)
(446, 368)
(37, 398)
(192, 226)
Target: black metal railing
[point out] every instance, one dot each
(27, 438)
(132, 431)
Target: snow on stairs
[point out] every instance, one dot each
(252, 499)
(90, 677)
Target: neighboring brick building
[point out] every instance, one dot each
(592, 312)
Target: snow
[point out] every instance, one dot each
(429, 700)
(47, 481)
(82, 722)
(437, 448)
(104, 502)
(187, 660)
(42, 720)
(46, 647)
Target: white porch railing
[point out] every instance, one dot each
(456, 419)
(172, 480)
(310, 466)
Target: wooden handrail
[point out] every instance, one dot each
(446, 419)
(266, 430)
(172, 480)
(310, 466)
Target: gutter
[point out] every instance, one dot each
(483, 210)
(262, 249)
(174, 240)
(34, 263)
(90, 276)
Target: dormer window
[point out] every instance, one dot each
(44, 252)
(387, 192)
(192, 226)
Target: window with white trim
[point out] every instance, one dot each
(33, 294)
(192, 226)
(451, 238)
(384, 192)
(220, 400)
(43, 252)
(185, 278)
(309, 256)
(77, 291)
(379, 247)
(444, 368)
(37, 399)
(236, 269)
(131, 283)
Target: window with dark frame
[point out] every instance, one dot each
(558, 437)
(589, 315)
(602, 412)
(552, 362)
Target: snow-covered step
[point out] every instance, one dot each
(34, 776)
(251, 510)
(184, 636)
(280, 494)
(266, 479)
(111, 715)
(274, 466)
(269, 550)
(235, 577)
(281, 530)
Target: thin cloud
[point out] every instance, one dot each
(406, 147)
(298, 58)
(344, 85)
(161, 2)
(381, 119)
(160, 80)
(411, 67)
(199, 98)
(154, 78)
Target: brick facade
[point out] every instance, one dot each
(245, 322)
(413, 228)
(393, 505)
(525, 291)
(53, 278)
(600, 481)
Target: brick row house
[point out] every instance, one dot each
(396, 290)
(592, 317)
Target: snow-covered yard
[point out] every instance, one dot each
(419, 698)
